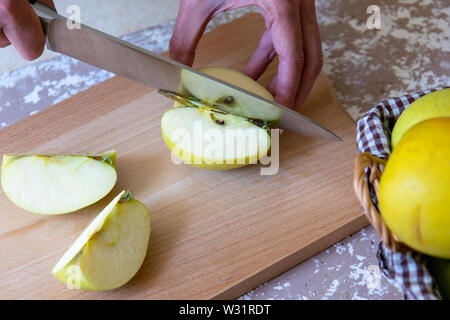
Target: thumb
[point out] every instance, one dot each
(21, 27)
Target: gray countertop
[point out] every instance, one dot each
(409, 53)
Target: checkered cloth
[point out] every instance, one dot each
(374, 129)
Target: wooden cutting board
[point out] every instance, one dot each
(214, 234)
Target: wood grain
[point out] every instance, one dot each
(214, 234)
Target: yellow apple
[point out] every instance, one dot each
(57, 184)
(111, 250)
(216, 139)
(432, 105)
(415, 188)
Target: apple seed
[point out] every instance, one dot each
(228, 100)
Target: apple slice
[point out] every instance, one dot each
(231, 101)
(111, 250)
(208, 139)
(57, 184)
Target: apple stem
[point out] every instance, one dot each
(107, 159)
(125, 197)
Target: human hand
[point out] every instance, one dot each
(292, 33)
(20, 26)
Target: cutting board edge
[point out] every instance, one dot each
(292, 260)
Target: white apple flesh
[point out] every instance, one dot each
(211, 140)
(57, 184)
(111, 250)
(232, 101)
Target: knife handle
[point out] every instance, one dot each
(45, 13)
(47, 3)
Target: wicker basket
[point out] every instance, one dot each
(397, 261)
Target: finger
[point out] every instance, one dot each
(287, 40)
(4, 42)
(262, 57)
(273, 85)
(189, 28)
(193, 17)
(22, 28)
(312, 51)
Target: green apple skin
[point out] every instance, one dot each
(432, 105)
(88, 267)
(440, 271)
(109, 157)
(47, 194)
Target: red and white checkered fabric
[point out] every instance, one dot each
(373, 136)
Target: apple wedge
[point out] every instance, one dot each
(111, 250)
(57, 184)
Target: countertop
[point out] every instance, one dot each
(409, 53)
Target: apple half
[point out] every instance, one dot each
(111, 250)
(213, 139)
(57, 184)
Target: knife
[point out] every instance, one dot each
(170, 77)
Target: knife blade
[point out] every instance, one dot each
(125, 59)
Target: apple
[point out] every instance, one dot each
(111, 250)
(57, 184)
(213, 139)
(414, 193)
(432, 105)
(234, 102)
